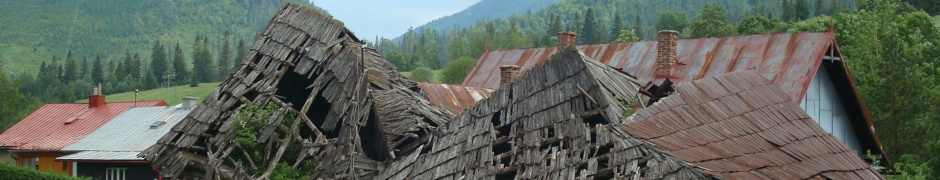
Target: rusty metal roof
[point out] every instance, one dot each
(454, 98)
(740, 126)
(45, 128)
(790, 60)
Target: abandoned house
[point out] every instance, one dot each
(336, 103)
(807, 66)
(110, 152)
(39, 138)
(330, 104)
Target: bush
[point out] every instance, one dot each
(456, 70)
(422, 74)
(11, 172)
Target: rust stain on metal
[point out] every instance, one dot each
(454, 98)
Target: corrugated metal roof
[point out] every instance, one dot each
(741, 126)
(130, 131)
(789, 60)
(45, 128)
(454, 98)
(102, 156)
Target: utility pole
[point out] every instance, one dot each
(167, 83)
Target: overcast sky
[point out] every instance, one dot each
(389, 18)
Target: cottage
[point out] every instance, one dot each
(37, 140)
(807, 66)
(111, 151)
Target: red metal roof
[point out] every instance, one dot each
(454, 98)
(739, 126)
(46, 128)
(790, 60)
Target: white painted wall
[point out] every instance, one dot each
(822, 104)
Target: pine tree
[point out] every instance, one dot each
(225, 58)
(615, 29)
(802, 10)
(97, 72)
(636, 27)
(134, 69)
(85, 68)
(554, 27)
(819, 8)
(240, 54)
(179, 65)
(158, 62)
(590, 30)
(71, 69)
(202, 61)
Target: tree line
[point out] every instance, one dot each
(68, 79)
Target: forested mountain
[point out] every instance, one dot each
(484, 10)
(33, 31)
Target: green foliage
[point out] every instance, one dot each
(912, 167)
(671, 21)
(158, 62)
(283, 171)
(711, 22)
(11, 172)
(203, 69)
(13, 105)
(815, 24)
(892, 55)
(422, 74)
(457, 69)
(626, 36)
(758, 24)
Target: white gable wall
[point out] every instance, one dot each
(822, 104)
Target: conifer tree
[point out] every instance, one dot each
(71, 69)
(158, 62)
(615, 29)
(225, 58)
(179, 65)
(240, 53)
(85, 68)
(590, 30)
(97, 72)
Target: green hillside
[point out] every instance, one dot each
(33, 31)
(172, 95)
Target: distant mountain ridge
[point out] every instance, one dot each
(484, 10)
(33, 31)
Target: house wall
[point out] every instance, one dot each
(823, 105)
(5, 157)
(133, 171)
(45, 161)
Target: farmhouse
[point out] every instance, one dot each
(110, 152)
(37, 140)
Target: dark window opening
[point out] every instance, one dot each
(293, 88)
(594, 120)
(373, 143)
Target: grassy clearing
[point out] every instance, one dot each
(172, 96)
(435, 79)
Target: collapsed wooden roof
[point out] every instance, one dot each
(560, 120)
(352, 109)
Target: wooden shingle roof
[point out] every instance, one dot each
(741, 126)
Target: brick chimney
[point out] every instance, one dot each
(96, 99)
(507, 73)
(567, 38)
(666, 53)
(188, 102)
